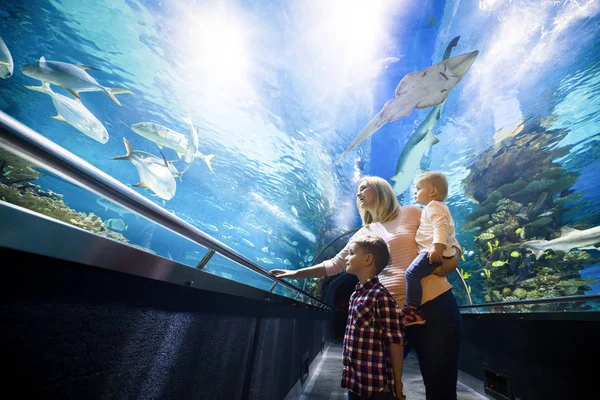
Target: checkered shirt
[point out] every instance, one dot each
(373, 322)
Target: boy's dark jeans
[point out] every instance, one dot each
(419, 269)
(437, 344)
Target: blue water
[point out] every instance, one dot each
(279, 89)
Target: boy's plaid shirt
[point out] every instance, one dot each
(373, 322)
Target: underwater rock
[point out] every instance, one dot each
(521, 156)
(561, 201)
(538, 223)
(565, 182)
(535, 187)
(52, 205)
(534, 294)
(506, 291)
(496, 296)
(499, 216)
(510, 189)
(576, 257)
(14, 169)
(550, 173)
(520, 293)
(571, 287)
(479, 222)
(506, 228)
(509, 206)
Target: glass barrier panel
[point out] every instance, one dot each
(223, 267)
(567, 306)
(41, 191)
(266, 153)
(36, 189)
(286, 292)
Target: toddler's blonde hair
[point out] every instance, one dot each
(437, 180)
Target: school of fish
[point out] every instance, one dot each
(156, 173)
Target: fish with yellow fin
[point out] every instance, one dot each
(155, 173)
(72, 77)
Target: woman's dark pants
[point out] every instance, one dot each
(437, 344)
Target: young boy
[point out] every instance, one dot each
(435, 240)
(373, 343)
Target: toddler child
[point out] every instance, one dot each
(435, 240)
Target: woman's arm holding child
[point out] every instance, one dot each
(448, 265)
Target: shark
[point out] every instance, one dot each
(419, 142)
(421, 89)
(6, 61)
(74, 113)
(72, 77)
(155, 173)
(570, 238)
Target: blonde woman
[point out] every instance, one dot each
(437, 342)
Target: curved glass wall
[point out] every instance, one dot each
(233, 116)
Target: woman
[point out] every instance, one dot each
(437, 342)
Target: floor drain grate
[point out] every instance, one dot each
(498, 385)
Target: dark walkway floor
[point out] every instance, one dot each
(324, 384)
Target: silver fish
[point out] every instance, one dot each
(419, 142)
(192, 150)
(570, 238)
(192, 140)
(421, 89)
(249, 243)
(6, 61)
(74, 113)
(116, 224)
(162, 136)
(155, 173)
(72, 77)
(109, 205)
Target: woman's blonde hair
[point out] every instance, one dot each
(386, 204)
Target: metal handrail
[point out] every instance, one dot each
(565, 299)
(37, 149)
(315, 261)
(332, 242)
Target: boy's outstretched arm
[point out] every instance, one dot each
(397, 357)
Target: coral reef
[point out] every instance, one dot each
(16, 187)
(522, 193)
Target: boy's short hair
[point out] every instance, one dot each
(437, 180)
(377, 247)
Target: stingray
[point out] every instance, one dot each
(421, 89)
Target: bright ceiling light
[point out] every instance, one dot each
(216, 48)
